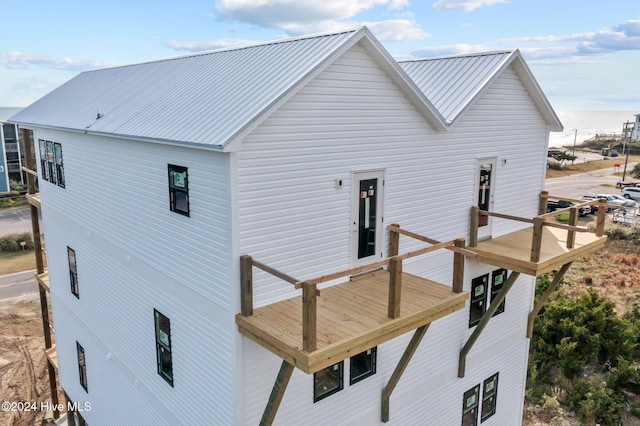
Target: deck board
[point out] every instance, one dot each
(513, 251)
(352, 317)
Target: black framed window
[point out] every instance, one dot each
(179, 189)
(163, 346)
(489, 397)
(498, 277)
(59, 165)
(43, 159)
(73, 272)
(82, 366)
(51, 163)
(470, 402)
(328, 381)
(362, 365)
(478, 303)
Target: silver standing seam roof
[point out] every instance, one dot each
(210, 98)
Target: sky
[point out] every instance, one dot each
(585, 54)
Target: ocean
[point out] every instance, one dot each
(588, 123)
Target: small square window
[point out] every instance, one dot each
(73, 272)
(82, 366)
(498, 278)
(489, 397)
(179, 189)
(470, 406)
(362, 365)
(163, 347)
(478, 302)
(328, 381)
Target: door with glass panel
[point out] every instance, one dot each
(485, 188)
(367, 230)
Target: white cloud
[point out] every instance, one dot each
(397, 30)
(451, 49)
(18, 60)
(466, 5)
(199, 46)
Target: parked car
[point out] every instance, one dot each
(613, 199)
(562, 204)
(631, 192)
(594, 207)
(627, 201)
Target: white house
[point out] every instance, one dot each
(162, 183)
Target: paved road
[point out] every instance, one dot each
(17, 284)
(15, 220)
(590, 183)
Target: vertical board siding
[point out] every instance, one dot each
(134, 255)
(292, 217)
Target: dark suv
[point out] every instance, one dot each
(563, 204)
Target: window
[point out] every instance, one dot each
(362, 365)
(478, 299)
(498, 277)
(179, 189)
(163, 347)
(82, 366)
(328, 381)
(471, 401)
(73, 272)
(489, 397)
(51, 164)
(470, 406)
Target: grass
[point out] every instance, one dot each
(582, 167)
(17, 262)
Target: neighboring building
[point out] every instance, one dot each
(13, 155)
(635, 133)
(190, 202)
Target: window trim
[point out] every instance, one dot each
(82, 366)
(173, 189)
(161, 346)
(318, 396)
(73, 272)
(372, 354)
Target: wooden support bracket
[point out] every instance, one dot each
(277, 393)
(544, 296)
(493, 307)
(402, 365)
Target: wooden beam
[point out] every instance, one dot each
(432, 241)
(536, 238)
(485, 320)
(277, 393)
(573, 221)
(542, 202)
(309, 317)
(505, 216)
(394, 239)
(246, 285)
(473, 227)
(458, 267)
(395, 287)
(399, 370)
(274, 272)
(544, 296)
(602, 211)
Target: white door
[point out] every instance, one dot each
(485, 181)
(367, 228)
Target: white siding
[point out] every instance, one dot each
(134, 255)
(292, 217)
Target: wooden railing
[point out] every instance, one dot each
(543, 219)
(393, 263)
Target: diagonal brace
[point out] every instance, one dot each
(544, 296)
(276, 394)
(402, 365)
(493, 307)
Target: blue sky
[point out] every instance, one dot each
(584, 53)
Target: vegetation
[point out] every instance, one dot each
(15, 196)
(16, 242)
(17, 262)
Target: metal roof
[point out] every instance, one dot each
(450, 83)
(205, 98)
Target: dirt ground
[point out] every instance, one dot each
(24, 377)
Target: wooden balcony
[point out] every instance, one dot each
(326, 326)
(543, 247)
(43, 280)
(34, 200)
(52, 356)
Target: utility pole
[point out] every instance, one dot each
(575, 136)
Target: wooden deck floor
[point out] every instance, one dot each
(352, 317)
(513, 251)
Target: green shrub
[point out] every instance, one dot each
(11, 242)
(594, 402)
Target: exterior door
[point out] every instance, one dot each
(485, 190)
(367, 230)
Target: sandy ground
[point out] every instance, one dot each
(24, 378)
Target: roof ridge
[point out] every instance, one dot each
(461, 55)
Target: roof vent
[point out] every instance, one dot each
(99, 115)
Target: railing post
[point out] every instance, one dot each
(458, 267)
(394, 240)
(573, 221)
(395, 287)
(473, 228)
(246, 285)
(602, 211)
(536, 238)
(542, 202)
(309, 324)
